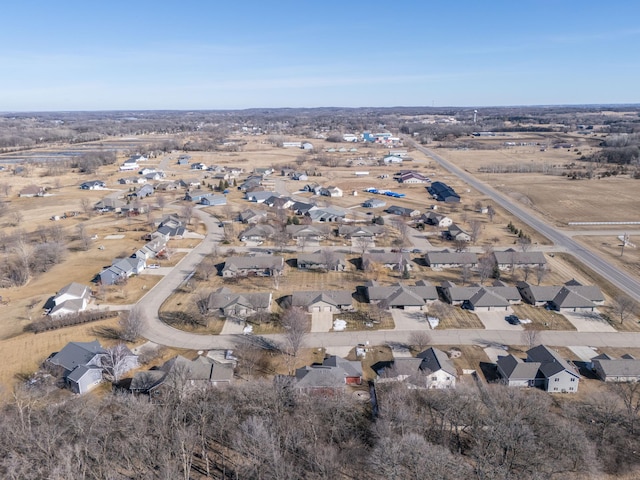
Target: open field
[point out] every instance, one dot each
(457, 317)
(610, 248)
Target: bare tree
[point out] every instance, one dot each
(531, 337)
(207, 268)
(465, 274)
(6, 188)
(629, 393)
(624, 307)
(85, 206)
(131, 324)
(524, 243)
(296, 325)
(460, 245)
(116, 361)
(330, 259)
(83, 236)
(486, 266)
(403, 230)
(187, 212)
(542, 271)
(161, 202)
(491, 212)
(526, 271)
(420, 339)
(475, 228)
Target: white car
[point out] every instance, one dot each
(153, 265)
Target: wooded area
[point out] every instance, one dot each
(265, 430)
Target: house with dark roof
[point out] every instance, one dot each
(333, 301)
(309, 234)
(325, 214)
(543, 368)
(259, 265)
(443, 192)
(227, 303)
(457, 233)
(121, 269)
(93, 185)
(361, 231)
(32, 191)
(329, 260)
(401, 296)
(398, 370)
(486, 300)
(403, 211)
(333, 375)
(412, 178)
(569, 300)
(252, 216)
(456, 295)
(437, 219)
(449, 259)
(143, 191)
(374, 203)
(537, 295)
(437, 369)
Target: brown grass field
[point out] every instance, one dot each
(542, 319)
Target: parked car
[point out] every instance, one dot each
(416, 250)
(153, 265)
(512, 319)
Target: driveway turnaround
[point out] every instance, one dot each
(496, 321)
(588, 322)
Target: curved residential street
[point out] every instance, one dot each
(620, 279)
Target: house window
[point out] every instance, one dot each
(573, 379)
(557, 380)
(434, 378)
(555, 389)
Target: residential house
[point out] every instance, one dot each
(110, 204)
(129, 165)
(412, 178)
(457, 233)
(403, 211)
(278, 202)
(437, 219)
(374, 203)
(190, 183)
(184, 159)
(302, 208)
(544, 368)
(252, 216)
(132, 180)
(308, 234)
(257, 233)
(314, 188)
(355, 231)
(183, 375)
(625, 369)
(167, 186)
(213, 200)
(511, 258)
(229, 304)
(198, 166)
(486, 300)
(121, 269)
(449, 259)
(391, 159)
(143, 191)
(154, 176)
(171, 226)
(325, 214)
(307, 146)
(399, 153)
(328, 260)
(333, 301)
(93, 185)
(333, 375)
(263, 172)
(456, 295)
(438, 371)
(398, 370)
(157, 245)
(259, 196)
(397, 261)
(259, 265)
(400, 296)
(71, 299)
(32, 191)
(443, 192)
(196, 196)
(331, 191)
(146, 171)
(299, 176)
(80, 365)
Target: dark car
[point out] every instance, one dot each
(512, 319)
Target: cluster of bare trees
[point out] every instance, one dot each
(266, 430)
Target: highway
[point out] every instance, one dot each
(620, 279)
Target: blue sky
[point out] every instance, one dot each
(142, 54)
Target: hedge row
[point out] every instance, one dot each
(49, 323)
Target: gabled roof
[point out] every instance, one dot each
(224, 298)
(318, 258)
(74, 289)
(567, 298)
(337, 298)
(515, 369)
(399, 293)
(403, 366)
(451, 258)
(76, 353)
(259, 262)
(331, 374)
(619, 367)
(551, 362)
(487, 298)
(434, 360)
(511, 256)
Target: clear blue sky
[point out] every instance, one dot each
(139, 54)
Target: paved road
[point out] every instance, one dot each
(620, 279)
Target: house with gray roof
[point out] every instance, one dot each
(374, 203)
(121, 269)
(568, 300)
(457, 233)
(227, 303)
(624, 369)
(257, 233)
(543, 368)
(456, 295)
(213, 200)
(449, 259)
(70, 300)
(486, 300)
(401, 296)
(334, 374)
(511, 258)
(110, 204)
(143, 191)
(259, 265)
(329, 260)
(397, 261)
(537, 295)
(360, 231)
(325, 214)
(333, 301)
(397, 370)
(252, 216)
(437, 219)
(93, 185)
(260, 196)
(309, 234)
